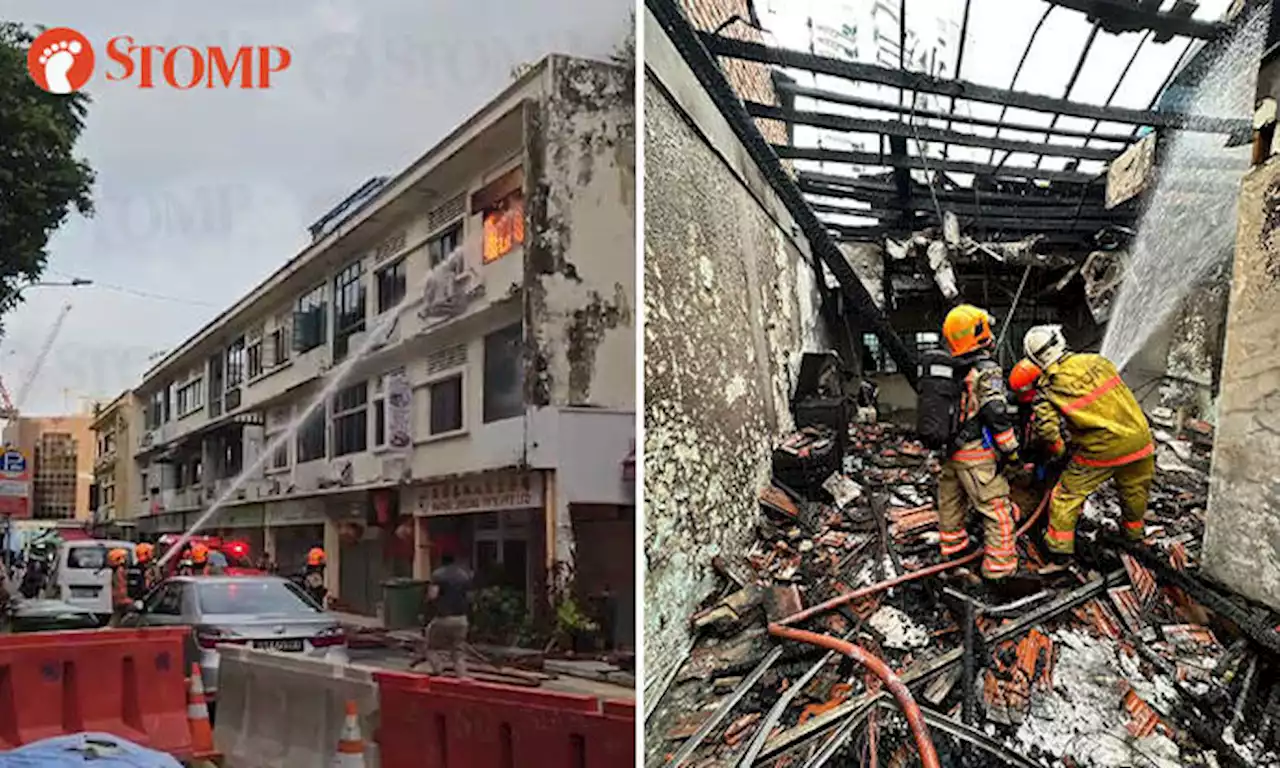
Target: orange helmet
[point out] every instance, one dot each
(967, 328)
(143, 552)
(199, 553)
(1022, 379)
(315, 556)
(117, 557)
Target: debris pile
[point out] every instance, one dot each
(1125, 658)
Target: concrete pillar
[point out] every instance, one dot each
(421, 549)
(1242, 530)
(333, 551)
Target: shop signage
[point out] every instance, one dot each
(15, 484)
(246, 517)
(399, 411)
(491, 492)
(294, 513)
(168, 523)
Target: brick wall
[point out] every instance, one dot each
(750, 79)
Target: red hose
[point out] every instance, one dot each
(915, 719)
(932, 570)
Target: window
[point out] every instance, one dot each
(445, 243)
(874, 357)
(254, 357)
(309, 323)
(928, 340)
(503, 374)
(170, 398)
(215, 386)
(166, 600)
(155, 410)
(391, 285)
(380, 411)
(503, 226)
(190, 397)
(279, 339)
(280, 456)
(348, 308)
(351, 419)
(253, 597)
(235, 363)
(311, 442)
(446, 405)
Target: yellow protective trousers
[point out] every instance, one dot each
(969, 477)
(1081, 478)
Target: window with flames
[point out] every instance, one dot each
(503, 226)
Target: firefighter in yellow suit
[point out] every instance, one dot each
(971, 472)
(1109, 434)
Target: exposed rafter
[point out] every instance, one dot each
(924, 133)
(915, 81)
(915, 162)
(835, 97)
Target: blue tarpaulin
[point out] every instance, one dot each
(100, 750)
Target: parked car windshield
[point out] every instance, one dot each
(252, 596)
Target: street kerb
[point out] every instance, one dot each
(277, 710)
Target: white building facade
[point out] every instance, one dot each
(466, 333)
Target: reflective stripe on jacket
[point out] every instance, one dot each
(1106, 425)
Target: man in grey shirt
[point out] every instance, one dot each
(449, 592)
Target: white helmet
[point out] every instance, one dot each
(1045, 345)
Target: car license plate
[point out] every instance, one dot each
(279, 645)
(85, 592)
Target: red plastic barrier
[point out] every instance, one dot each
(128, 683)
(432, 722)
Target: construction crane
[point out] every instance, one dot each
(13, 406)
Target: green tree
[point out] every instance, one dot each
(40, 179)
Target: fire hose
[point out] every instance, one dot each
(910, 709)
(932, 570)
(915, 718)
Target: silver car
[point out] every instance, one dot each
(265, 612)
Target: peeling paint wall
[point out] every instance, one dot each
(730, 304)
(1242, 535)
(580, 277)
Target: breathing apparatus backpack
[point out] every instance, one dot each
(940, 380)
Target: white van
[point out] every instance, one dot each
(82, 576)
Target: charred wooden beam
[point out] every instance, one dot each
(1026, 213)
(916, 162)
(924, 133)
(835, 97)
(1010, 224)
(961, 89)
(1119, 16)
(847, 186)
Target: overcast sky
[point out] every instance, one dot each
(998, 32)
(202, 194)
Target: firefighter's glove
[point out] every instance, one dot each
(1019, 474)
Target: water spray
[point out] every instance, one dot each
(445, 270)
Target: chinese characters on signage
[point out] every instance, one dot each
(484, 493)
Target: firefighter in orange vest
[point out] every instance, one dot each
(313, 575)
(985, 433)
(1110, 436)
(199, 560)
(121, 601)
(144, 553)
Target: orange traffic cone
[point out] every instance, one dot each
(351, 744)
(198, 714)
